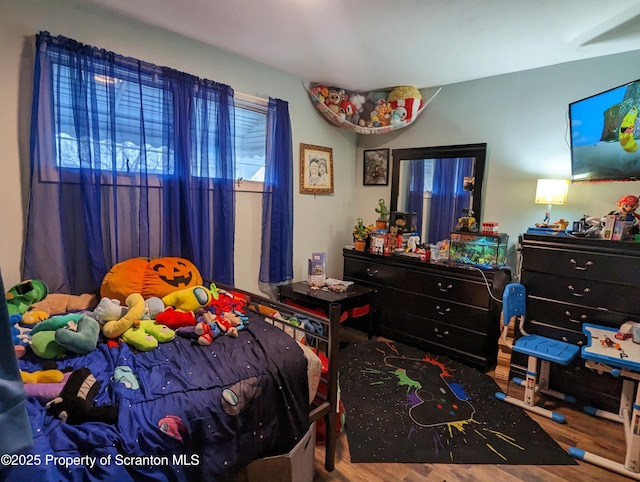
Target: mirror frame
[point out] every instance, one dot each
(478, 151)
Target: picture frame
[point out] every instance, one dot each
(375, 164)
(316, 169)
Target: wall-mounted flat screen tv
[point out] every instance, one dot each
(604, 135)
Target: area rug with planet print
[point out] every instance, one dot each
(404, 405)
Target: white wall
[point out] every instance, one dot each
(322, 223)
(523, 119)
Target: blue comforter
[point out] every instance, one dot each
(185, 412)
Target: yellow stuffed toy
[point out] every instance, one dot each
(189, 299)
(115, 328)
(135, 328)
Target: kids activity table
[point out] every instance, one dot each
(621, 358)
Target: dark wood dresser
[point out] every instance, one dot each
(439, 308)
(571, 281)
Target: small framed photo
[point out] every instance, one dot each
(376, 167)
(316, 169)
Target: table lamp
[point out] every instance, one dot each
(550, 192)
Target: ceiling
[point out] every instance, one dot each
(370, 44)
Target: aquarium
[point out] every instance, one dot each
(482, 250)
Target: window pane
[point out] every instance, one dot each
(127, 124)
(428, 175)
(251, 128)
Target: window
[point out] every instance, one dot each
(140, 132)
(138, 127)
(251, 135)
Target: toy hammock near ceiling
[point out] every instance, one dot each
(373, 112)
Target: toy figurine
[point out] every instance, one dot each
(626, 211)
(627, 206)
(467, 222)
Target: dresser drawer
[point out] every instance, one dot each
(449, 312)
(446, 336)
(586, 292)
(571, 317)
(375, 273)
(556, 332)
(615, 268)
(477, 360)
(451, 288)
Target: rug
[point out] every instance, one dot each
(407, 406)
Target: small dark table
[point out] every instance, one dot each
(355, 296)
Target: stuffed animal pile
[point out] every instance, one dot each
(144, 302)
(370, 109)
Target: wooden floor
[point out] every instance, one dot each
(595, 435)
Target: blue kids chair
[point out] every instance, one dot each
(536, 347)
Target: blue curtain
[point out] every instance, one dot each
(127, 159)
(448, 197)
(415, 199)
(276, 261)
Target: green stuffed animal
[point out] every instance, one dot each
(21, 296)
(58, 335)
(147, 334)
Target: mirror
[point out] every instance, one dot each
(438, 183)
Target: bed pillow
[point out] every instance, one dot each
(149, 277)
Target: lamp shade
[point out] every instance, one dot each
(552, 191)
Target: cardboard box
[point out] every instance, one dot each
(609, 225)
(378, 241)
(623, 231)
(295, 466)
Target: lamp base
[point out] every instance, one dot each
(547, 215)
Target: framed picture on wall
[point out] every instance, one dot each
(316, 169)
(376, 167)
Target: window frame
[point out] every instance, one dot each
(243, 185)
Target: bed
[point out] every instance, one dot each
(186, 411)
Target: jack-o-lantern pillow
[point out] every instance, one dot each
(149, 277)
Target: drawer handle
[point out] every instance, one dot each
(583, 318)
(441, 312)
(581, 268)
(579, 295)
(372, 272)
(439, 334)
(443, 288)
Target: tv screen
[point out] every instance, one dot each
(603, 135)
